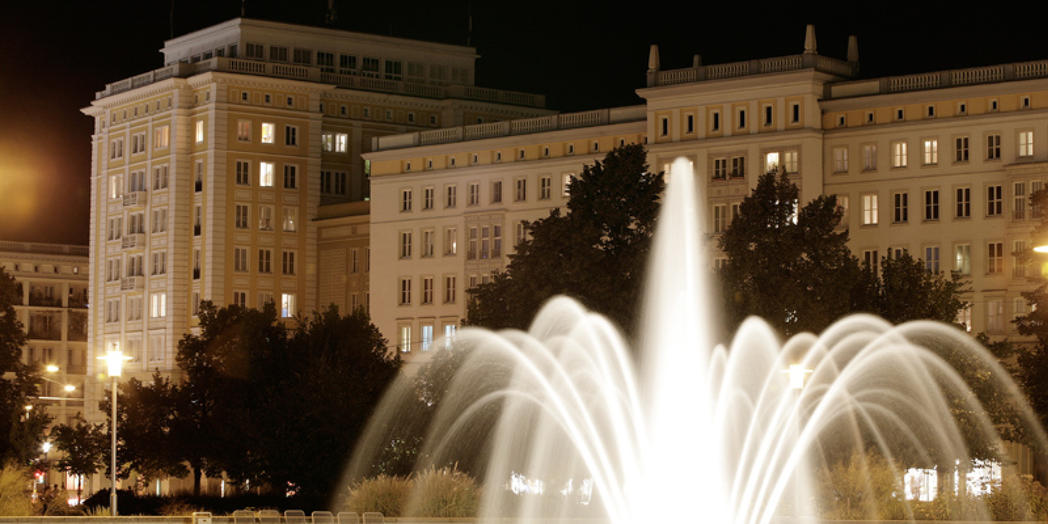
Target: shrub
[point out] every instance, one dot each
(864, 487)
(445, 492)
(383, 493)
(14, 492)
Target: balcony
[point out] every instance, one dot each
(135, 198)
(77, 298)
(133, 240)
(131, 283)
(44, 328)
(43, 300)
(77, 326)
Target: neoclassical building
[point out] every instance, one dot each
(233, 173)
(939, 165)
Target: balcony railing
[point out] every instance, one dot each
(131, 283)
(44, 333)
(315, 74)
(40, 299)
(135, 198)
(760, 66)
(133, 240)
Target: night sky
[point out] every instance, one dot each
(581, 55)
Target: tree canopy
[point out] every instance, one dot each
(23, 429)
(791, 265)
(596, 251)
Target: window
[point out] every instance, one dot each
(964, 202)
(450, 241)
(243, 173)
(160, 177)
(471, 246)
(898, 154)
(545, 187)
(138, 143)
(241, 216)
(198, 177)
(449, 289)
(767, 116)
(158, 305)
(869, 157)
(931, 259)
(840, 159)
(1019, 201)
(161, 137)
(901, 208)
(1025, 102)
(715, 121)
(995, 315)
(931, 204)
(264, 297)
(994, 257)
(900, 114)
(690, 126)
(290, 222)
(961, 149)
(327, 142)
(962, 255)
(159, 220)
(993, 147)
(116, 149)
(404, 344)
(341, 142)
(994, 201)
(427, 242)
(496, 192)
(521, 193)
(870, 260)
(290, 176)
(738, 166)
(665, 126)
(265, 174)
(159, 262)
(869, 209)
(240, 259)
(287, 262)
(268, 132)
(451, 196)
(720, 217)
(196, 264)
(288, 307)
(720, 168)
(240, 299)
(290, 135)
(474, 194)
(1018, 307)
(789, 161)
(795, 113)
(197, 221)
(265, 218)
(265, 260)
(568, 179)
(1018, 259)
(427, 337)
(405, 292)
(496, 241)
(405, 200)
(741, 120)
(1025, 144)
(427, 290)
(277, 54)
(405, 244)
(199, 131)
(931, 151)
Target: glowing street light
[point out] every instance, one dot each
(69, 388)
(115, 366)
(46, 447)
(51, 368)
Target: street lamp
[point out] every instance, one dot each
(115, 366)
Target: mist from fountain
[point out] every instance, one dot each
(696, 431)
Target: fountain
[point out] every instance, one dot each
(558, 421)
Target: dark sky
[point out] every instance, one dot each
(581, 55)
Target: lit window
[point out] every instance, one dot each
(427, 337)
(341, 143)
(287, 305)
(200, 131)
(265, 218)
(158, 305)
(244, 130)
(771, 162)
(869, 209)
(290, 219)
(789, 161)
(1026, 143)
(161, 137)
(404, 344)
(268, 132)
(450, 241)
(962, 254)
(899, 154)
(265, 174)
(931, 151)
(869, 157)
(327, 142)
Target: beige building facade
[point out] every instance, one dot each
(939, 165)
(233, 173)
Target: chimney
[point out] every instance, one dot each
(809, 40)
(696, 61)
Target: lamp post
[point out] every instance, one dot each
(115, 366)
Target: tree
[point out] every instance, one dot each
(86, 448)
(596, 252)
(21, 431)
(146, 419)
(793, 268)
(1032, 362)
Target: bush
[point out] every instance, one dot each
(14, 492)
(864, 487)
(445, 492)
(383, 493)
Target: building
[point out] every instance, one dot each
(233, 173)
(939, 165)
(52, 306)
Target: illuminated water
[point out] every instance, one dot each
(559, 421)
